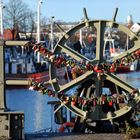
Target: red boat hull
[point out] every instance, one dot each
(123, 69)
(39, 77)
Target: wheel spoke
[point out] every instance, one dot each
(86, 76)
(100, 26)
(126, 30)
(52, 74)
(124, 54)
(119, 82)
(77, 56)
(76, 110)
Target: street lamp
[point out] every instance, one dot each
(52, 35)
(38, 26)
(1, 18)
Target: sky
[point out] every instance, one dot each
(72, 10)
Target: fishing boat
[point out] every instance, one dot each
(24, 63)
(113, 51)
(26, 68)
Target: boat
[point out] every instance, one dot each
(23, 63)
(112, 51)
(123, 69)
(23, 66)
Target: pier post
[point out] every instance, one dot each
(11, 122)
(2, 78)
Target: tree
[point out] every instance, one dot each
(16, 15)
(28, 25)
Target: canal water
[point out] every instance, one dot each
(35, 107)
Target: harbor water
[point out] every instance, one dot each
(35, 105)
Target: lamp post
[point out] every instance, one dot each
(1, 18)
(38, 26)
(52, 36)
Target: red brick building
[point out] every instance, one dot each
(10, 34)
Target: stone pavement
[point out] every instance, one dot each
(109, 136)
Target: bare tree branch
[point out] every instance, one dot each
(17, 16)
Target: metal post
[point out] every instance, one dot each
(22, 51)
(38, 26)
(11, 123)
(38, 20)
(127, 42)
(2, 77)
(80, 38)
(2, 70)
(52, 36)
(1, 18)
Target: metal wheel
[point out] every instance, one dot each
(93, 82)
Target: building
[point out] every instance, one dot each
(10, 34)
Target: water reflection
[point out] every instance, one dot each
(37, 112)
(132, 78)
(33, 104)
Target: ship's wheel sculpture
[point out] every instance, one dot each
(89, 102)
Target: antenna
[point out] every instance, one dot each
(86, 17)
(115, 14)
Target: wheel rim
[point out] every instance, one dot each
(60, 47)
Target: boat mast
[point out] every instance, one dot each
(38, 26)
(80, 38)
(128, 24)
(1, 19)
